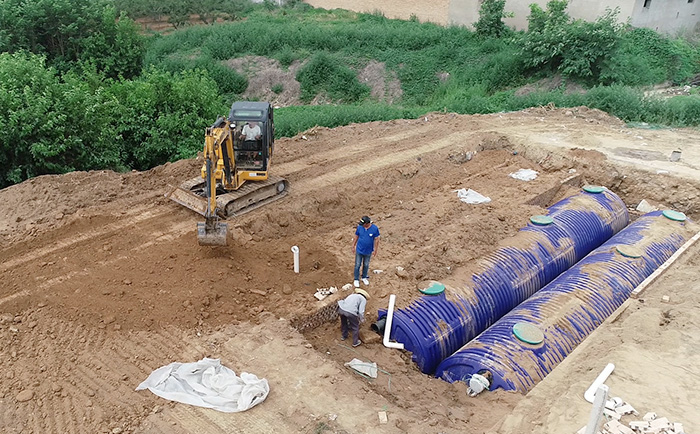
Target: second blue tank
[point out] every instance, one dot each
(563, 313)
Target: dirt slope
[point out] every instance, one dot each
(103, 281)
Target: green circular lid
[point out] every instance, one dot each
(629, 251)
(593, 188)
(674, 215)
(528, 333)
(541, 220)
(435, 288)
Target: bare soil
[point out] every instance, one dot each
(103, 280)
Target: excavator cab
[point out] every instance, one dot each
(235, 176)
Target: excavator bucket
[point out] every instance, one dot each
(212, 233)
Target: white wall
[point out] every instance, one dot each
(666, 16)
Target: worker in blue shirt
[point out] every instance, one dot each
(364, 245)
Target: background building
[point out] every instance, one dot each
(665, 16)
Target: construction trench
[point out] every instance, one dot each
(584, 245)
(103, 283)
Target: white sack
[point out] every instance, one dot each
(524, 174)
(207, 383)
(471, 196)
(367, 368)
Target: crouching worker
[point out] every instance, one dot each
(352, 312)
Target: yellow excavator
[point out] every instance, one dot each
(235, 176)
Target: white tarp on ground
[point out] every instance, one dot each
(524, 174)
(207, 383)
(471, 196)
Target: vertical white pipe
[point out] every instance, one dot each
(590, 392)
(295, 250)
(387, 327)
(601, 395)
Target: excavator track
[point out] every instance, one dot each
(252, 195)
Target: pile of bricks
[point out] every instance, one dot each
(650, 423)
(327, 311)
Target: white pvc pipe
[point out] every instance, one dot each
(590, 393)
(295, 250)
(387, 326)
(601, 395)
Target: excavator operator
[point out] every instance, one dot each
(251, 135)
(251, 132)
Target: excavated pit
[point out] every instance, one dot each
(103, 280)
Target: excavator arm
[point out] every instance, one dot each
(218, 143)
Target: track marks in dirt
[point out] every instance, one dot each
(348, 150)
(134, 217)
(376, 162)
(96, 387)
(193, 420)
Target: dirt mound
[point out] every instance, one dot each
(269, 81)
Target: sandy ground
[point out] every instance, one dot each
(103, 280)
(436, 12)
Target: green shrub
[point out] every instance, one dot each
(286, 56)
(161, 117)
(325, 74)
(290, 121)
(646, 57)
(227, 79)
(502, 70)
(624, 102)
(575, 48)
(682, 110)
(50, 125)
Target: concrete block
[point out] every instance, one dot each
(639, 425)
(649, 416)
(661, 423)
(615, 427)
(383, 418)
(611, 414)
(665, 299)
(626, 409)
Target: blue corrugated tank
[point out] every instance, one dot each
(567, 310)
(435, 326)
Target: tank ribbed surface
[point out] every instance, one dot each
(434, 327)
(570, 307)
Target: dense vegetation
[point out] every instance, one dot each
(82, 88)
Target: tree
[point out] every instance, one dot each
(49, 125)
(491, 16)
(70, 31)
